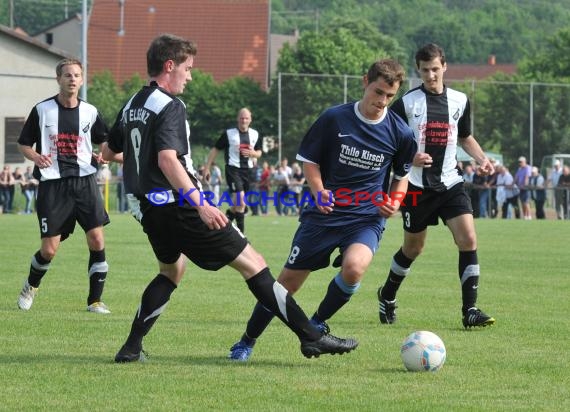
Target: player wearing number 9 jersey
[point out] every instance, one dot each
(151, 137)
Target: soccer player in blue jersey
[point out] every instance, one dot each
(59, 136)
(348, 155)
(440, 118)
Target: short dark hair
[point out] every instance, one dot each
(429, 52)
(167, 47)
(66, 62)
(388, 69)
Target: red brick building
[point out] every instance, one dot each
(232, 36)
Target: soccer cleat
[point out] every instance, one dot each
(26, 297)
(127, 354)
(476, 318)
(98, 307)
(327, 344)
(321, 326)
(387, 309)
(241, 351)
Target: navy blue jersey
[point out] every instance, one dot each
(356, 157)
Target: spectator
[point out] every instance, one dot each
(30, 189)
(507, 193)
(283, 203)
(6, 183)
(481, 189)
(297, 183)
(17, 181)
(216, 180)
(564, 187)
(522, 177)
(555, 174)
(265, 186)
(122, 202)
(538, 193)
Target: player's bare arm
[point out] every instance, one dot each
(211, 157)
(423, 160)
(107, 155)
(40, 160)
(394, 198)
(324, 198)
(473, 149)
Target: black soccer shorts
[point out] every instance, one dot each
(237, 178)
(62, 202)
(173, 230)
(425, 207)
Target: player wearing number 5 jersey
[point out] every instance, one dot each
(63, 130)
(151, 137)
(440, 119)
(348, 155)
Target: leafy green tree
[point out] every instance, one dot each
(104, 93)
(552, 62)
(34, 16)
(334, 53)
(212, 107)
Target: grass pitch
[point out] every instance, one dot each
(59, 357)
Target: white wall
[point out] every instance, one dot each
(27, 76)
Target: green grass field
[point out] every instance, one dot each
(59, 357)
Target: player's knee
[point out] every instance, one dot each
(413, 251)
(48, 253)
(352, 272)
(467, 241)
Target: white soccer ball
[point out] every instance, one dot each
(423, 351)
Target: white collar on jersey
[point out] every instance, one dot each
(366, 120)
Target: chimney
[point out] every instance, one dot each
(491, 60)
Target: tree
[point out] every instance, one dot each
(334, 54)
(212, 107)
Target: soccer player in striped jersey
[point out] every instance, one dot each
(440, 118)
(241, 145)
(152, 137)
(63, 130)
(348, 155)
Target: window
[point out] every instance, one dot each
(13, 126)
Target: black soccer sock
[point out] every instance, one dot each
(153, 302)
(276, 298)
(338, 294)
(38, 268)
(399, 269)
(97, 271)
(240, 218)
(469, 277)
(259, 320)
(230, 215)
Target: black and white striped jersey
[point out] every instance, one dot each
(230, 142)
(66, 135)
(151, 121)
(438, 121)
